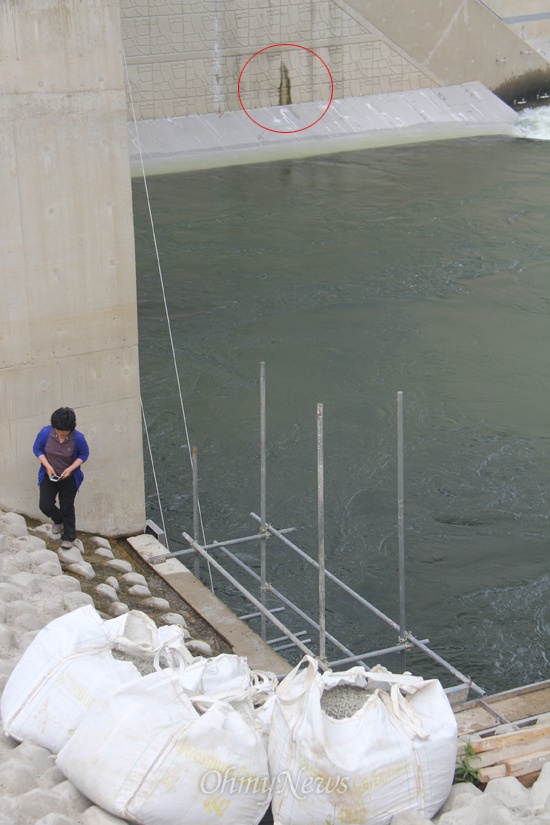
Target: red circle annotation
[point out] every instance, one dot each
(285, 131)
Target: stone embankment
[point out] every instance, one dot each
(503, 802)
(39, 582)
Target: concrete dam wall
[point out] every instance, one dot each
(185, 59)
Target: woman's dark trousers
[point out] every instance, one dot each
(65, 513)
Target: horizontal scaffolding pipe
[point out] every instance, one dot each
(287, 647)
(257, 615)
(243, 540)
(261, 535)
(330, 575)
(383, 652)
(252, 599)
(465, 679)
(286, 601)
(284, 638)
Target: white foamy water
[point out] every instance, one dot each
(534, 123)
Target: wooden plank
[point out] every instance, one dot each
(501, 755)
(494, 772)
(521, 765)
(514, 738)
(526, 770)
(518, 765)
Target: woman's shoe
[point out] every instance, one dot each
(66, 545)
(57, 529)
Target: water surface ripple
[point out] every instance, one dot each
(421, 268)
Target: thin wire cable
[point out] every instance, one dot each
(161, 278)
(154, 472)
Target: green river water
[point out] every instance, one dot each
(423, 269)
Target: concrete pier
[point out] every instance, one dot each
(68, 314)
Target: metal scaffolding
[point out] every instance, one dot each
(405, 640)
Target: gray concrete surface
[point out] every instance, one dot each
(203, 141)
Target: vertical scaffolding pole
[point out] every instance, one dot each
(401, 523)
(195, 466)
(321, 530)
(263, 506)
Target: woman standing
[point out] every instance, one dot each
(61, 450)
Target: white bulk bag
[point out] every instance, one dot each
(65, 669)
(223, 673)
(228, 678)
(135, 632)
(146, 755)
(396, 753)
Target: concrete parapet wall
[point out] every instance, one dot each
(68, 315)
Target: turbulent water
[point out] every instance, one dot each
(420, 268)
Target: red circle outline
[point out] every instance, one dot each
(282, 131)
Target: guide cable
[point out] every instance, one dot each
(168, 322)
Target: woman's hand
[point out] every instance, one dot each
(47, 466)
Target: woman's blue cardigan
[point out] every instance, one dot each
(81, 450)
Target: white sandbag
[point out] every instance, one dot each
(227, 676)
(67, 667)
(146, 755)
(225, 673)
(396, 753)
(135, 633)
(172, 651)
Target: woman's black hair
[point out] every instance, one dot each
(63, 419)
